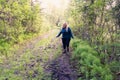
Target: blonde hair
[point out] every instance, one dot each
(65, 26)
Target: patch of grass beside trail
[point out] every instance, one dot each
(30, 64)
(8, 47)
(88, 62)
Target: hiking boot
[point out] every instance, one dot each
(64, 51)
(67, 49)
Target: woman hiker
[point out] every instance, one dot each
(66, 36)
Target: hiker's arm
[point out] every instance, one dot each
(59, 34)
(71, 33)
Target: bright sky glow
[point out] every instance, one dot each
(59, 4)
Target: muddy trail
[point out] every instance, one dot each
(39, 59)
(61, 68)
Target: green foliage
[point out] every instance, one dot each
(89, 62)
(97, 22)
(29, 64)
(19, 20)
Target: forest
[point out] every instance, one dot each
(29, 49)
(97, 23)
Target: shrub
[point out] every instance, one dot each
(89, 62)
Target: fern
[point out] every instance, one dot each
(90, 62)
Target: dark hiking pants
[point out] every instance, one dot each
(65, 42)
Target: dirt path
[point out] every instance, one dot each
(39, 59)
(61, 68)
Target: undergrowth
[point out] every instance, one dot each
(7, 47)
(29, 65)
(89, 62)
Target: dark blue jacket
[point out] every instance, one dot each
(65, 33)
